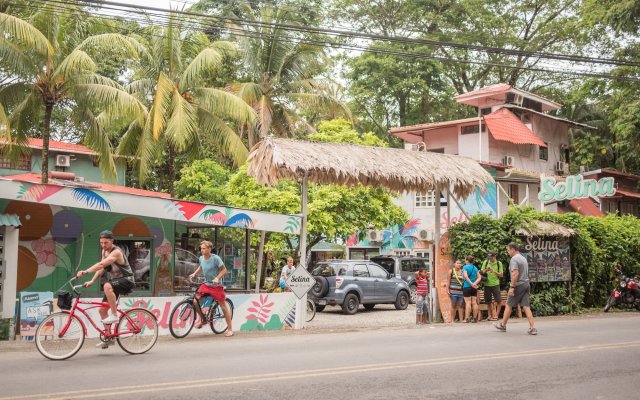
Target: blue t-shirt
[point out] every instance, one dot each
(472, 273)
(210, 268)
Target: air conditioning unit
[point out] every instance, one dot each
(583, 169)
(376, 236)
(562, 167)
(425, 234)
(507, 161)
(63, 160)
(420, 146)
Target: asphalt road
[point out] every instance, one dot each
(572, 358)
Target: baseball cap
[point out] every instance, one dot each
(106, 235)
(491, 254)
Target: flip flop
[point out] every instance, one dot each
(229, 334)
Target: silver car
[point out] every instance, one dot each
(349, 283)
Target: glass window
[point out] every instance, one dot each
(230, 247)
(329, 270)
(23, 162)
(186, 264)
(388, 264)
(425, 200)
(377, 272)
(544, 152)
(470, 129)
(139, 254)
(360, 270)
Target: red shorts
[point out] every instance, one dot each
(216, 292)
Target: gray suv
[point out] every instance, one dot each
(349, 283)
(404, 267)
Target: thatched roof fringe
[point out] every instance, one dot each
(398, 170)
(545, 228)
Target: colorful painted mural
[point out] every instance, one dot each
(395, 237)
(154, 207)
(272, 311)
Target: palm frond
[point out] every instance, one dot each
(15, 60)
(161, 104)
(221, 135)
(5, 126)
(97, 139)
(264, 109)
(182, 125)
(77, 62)
(24, 32)
(141, 86)
(225, 104)
(115, 99)
(250, 92)
(115, 42)
(206, 61)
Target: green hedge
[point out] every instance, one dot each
(600, 243)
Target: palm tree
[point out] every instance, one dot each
(282, 74)
(185, 112)
(50, 62)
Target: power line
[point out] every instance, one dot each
(373, 49)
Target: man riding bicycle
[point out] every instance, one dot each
(120, 278)
(213, 269)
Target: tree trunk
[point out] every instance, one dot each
(171, 164)
(48, 110)
(402, 109)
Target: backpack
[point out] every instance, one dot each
(505, 272)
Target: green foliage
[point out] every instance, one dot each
(205, 181)
(341, 131)
(599, 244)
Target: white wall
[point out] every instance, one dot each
(10, 261)
(446, 138)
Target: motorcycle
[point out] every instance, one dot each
(625, 294)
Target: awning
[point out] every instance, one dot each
(585, 207)
(505, 126)
(10, 220)
(626, 193)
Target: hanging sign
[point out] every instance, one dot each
(575, 187)
(549, 258)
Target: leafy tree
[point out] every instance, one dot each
(205, 181)
(52, 62)
(184, 114)
(340, 131)
(281, 74)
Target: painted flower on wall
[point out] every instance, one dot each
(45, 250)
(67, 226)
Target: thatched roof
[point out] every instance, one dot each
(544, 228)
(398, 170)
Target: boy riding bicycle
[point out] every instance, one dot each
(213, 270)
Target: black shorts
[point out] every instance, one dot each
(521, 296)
(492, 293)
(470, 292)
(121, 286)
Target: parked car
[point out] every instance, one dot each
(185, 264)
(403, 267)
(349, 283)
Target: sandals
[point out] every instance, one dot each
(229, 334)
(499, 326)
(532, 331)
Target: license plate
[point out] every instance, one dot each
(322, 302)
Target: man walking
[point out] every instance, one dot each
(519, 290)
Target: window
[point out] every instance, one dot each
(363, 253)
(514, 193)
(425, 200)
(388, 264)
(329, 270)
(360, 270)
(471, 129)
(23, 163)
(438, 150)
(423, 254)
(377, 272)
(402, 252)
(413, 265)
(544, 152)
(485, 111)
(139, 254)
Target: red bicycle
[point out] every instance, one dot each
(62, 334)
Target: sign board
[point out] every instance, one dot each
(574, 188)
(34, 307)
(300, 281)
(549, 258)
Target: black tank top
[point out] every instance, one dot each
(116, 270)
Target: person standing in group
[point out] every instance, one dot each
(454, 289)
(213, 269)
(286, 271)
(422, 296)
(519, 290)
(470, 289)
(493, 270)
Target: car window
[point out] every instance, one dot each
(360, 270)
(377, 272)
(420, 264)
(329, 270)
(386, 263)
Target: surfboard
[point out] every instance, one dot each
(445, 263)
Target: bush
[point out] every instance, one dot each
(599, 244)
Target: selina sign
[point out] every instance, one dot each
(575, 187)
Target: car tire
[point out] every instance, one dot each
(351, 304)
(402, 301)
(321, 287)
(369, 307)
(320, 308)
(414, 293)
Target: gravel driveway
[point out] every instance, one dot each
(383, 315)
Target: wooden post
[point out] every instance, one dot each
(260, 261)
(301, 304)
(435, 308)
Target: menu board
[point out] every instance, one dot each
(549, 258)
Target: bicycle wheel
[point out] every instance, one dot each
(216, 317)
(137, 331)
(183, 316)
(311, 310)
(60, 336)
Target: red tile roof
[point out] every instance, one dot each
(586, 207)
(487, 90)
(505, 126)
(61, 146)
(626, 193)
(35, 178)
